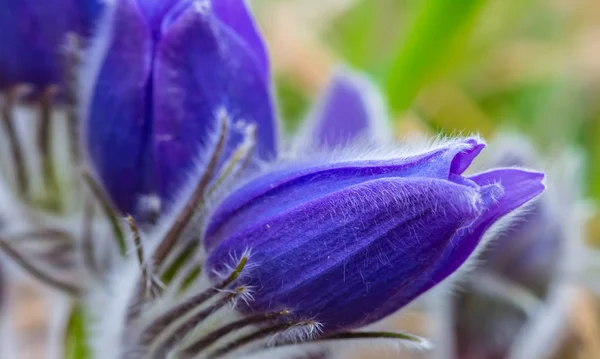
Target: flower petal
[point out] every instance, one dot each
(461, 163)
(203, 68)
(340, 258)
(280, 190)
(118, 128)
(518, 187)
(236, 15)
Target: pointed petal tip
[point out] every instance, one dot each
(520, 186)
(471, 147)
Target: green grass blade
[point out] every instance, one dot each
(76, 344)
(428, 41)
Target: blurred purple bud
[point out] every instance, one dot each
(351, 107)
(529, 252)
(348, 243)
(32, 34)
(170, 68)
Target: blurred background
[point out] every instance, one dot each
(451, 66)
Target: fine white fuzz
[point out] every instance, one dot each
(289, 352)
(108, 305)
(365, 150)
(231, 265)
(301, 332)
(456, 280)
(204, 155)
(343, 349)
(352, 153)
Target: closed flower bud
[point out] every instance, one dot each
(348, 243)
(167, 70)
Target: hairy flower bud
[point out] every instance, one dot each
(169, 69)
(348, 243)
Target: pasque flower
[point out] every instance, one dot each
(167, 70)
(32, 33)
(311, 248)
(348, 243)
(315, 248)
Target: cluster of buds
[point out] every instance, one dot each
(213, 242)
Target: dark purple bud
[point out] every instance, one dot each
(169, 70)
(32, 34)
(348, 243)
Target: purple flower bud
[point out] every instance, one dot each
(350, 108)
(32, 33)
(169, 68)
(529, 252)
(348, 243)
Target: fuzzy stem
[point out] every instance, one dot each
(352, 336)
(240, 158)
(186, 253)
(139, 249)
(191, 323)
(40, 274)
(209, 339)
(45, 234)
(44, 145)
(71, 65)
(370, 335)
(256, 336)
(15, 148)
(188, 211)
(189, 278)
(87, 240)
(163, 321)
(110, 213)
(150, 286)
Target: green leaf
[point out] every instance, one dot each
(437, 26)
(76, 344)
